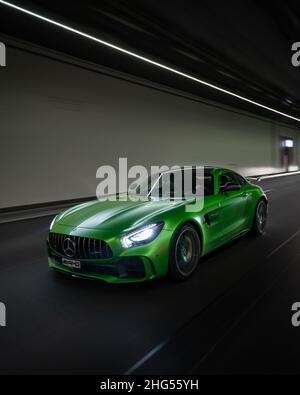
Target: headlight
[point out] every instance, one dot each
(142, 236)
(52, 223)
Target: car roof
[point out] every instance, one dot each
(211, 169)
(215, 169)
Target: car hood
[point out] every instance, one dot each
(117, 215)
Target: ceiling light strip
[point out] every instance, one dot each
(147, 60)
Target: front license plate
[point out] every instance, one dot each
(71, 264)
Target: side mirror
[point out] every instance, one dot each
(231, 188)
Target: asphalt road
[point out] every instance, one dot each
(233, 316)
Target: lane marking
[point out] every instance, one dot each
(146, 358)
(284, 244)
(242, 316)
(268, 190)
(165, 342)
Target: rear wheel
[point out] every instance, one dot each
(184, 253)
(260, 218)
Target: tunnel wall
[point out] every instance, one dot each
(60, 122)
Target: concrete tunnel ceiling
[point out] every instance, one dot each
(219, 44)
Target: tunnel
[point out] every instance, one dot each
(98, 280)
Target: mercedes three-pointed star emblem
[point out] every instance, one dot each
(69, 247)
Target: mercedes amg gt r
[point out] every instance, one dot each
(132, 241)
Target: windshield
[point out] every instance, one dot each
(179, 184)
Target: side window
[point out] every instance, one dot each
(241, 180)
(227, 179)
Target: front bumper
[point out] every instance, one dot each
(137, 264)
(131, 269)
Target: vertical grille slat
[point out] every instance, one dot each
(85, 247)
(80, 247)
(62, 238)
(60, 242)
(99, 248)
(101, 252)
(89, 246)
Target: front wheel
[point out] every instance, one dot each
(184, 253)
(260, 218)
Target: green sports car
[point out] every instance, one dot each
(132, 241)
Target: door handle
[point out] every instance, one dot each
(211, 217)
(245, 194)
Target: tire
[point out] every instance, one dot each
(260, 218)
(184, 253)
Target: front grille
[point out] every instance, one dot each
(80, 247)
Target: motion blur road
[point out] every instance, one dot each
(232, 316)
